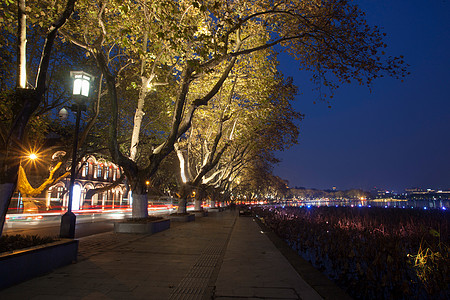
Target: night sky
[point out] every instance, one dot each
(393, 136)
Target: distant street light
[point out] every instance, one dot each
(63, 114)
(81, 84)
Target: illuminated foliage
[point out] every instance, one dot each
(185, 51)
(431, 265)
(25, 188)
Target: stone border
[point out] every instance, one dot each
(21, 265)
(324, 286)
(148, 228)
(183, 218)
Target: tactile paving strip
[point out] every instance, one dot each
(194, 284)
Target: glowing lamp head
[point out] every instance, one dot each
(63, 113)
(81, 83)
(32, 156)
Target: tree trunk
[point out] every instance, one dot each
(182, 205)
(140, 105)
(137, 126)
(6, 192)
(140, 205)
(200, 195)
(10, 158)
(198, 204)
(21, 80)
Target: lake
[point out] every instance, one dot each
(400, 203)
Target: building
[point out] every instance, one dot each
(93, 174)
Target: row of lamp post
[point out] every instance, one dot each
(81, 87)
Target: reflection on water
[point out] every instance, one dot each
(399, 203)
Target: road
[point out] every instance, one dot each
(49, 224)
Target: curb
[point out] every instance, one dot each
(325, 287)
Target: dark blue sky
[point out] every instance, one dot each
(394, 136)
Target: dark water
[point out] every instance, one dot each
(421, 204)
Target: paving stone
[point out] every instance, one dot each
(221, 253)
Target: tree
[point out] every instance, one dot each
(267, 126)
(25, 99)
(214, 127)
(190, 39)
(253, 114)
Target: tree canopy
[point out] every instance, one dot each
(167, 67)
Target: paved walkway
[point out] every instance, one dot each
(221, 256)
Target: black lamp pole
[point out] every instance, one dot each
(81, 91)
(68, 220)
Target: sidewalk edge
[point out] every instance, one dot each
(317, 280)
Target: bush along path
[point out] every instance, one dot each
(17, 242)
(372, 253)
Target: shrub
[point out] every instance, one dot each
(17, 242)
(373, 253)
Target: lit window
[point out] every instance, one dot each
(85, 171)
(59, 191)
(99, 171)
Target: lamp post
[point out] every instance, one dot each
(81, 83)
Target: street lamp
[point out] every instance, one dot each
(81, 84)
